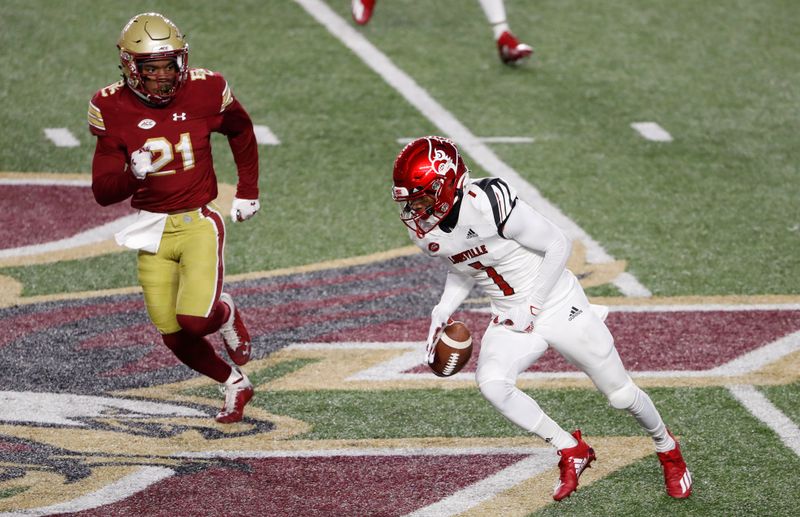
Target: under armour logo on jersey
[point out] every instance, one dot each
(574, 312)
(176, 117)
(471, 234)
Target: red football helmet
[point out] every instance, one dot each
(427, 167)
(152, 37)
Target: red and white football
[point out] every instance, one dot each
(453, 350)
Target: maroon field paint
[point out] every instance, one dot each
(658, 341)
(320, 486)
(51, 213)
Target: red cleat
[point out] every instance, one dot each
(512, 52)
(362, 10)
(237, 394)
(574, 461)
(677, 477)
(234, 333)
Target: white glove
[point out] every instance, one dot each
(141, 162)
(519, 318)
(244, 209)
(438, 321)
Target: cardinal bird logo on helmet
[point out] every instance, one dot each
(428, 175)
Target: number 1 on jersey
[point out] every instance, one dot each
(496, 277)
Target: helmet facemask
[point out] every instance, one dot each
(423, 212)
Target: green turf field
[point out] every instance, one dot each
(715, 212)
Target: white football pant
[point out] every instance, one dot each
(577, 331)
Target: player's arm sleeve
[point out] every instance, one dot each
(537, 233)
(238, 127)
(111, 180)
(456, 289)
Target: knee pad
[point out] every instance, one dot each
(497, 392)
(624, 397)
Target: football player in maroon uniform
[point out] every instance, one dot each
(489, 237)
(510, 49)
(153, 132)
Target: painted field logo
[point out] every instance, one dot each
(59, 447)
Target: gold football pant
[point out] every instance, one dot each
(185, 275)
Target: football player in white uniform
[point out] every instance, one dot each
(489, 237)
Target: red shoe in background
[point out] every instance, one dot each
(362, 10)
(511, 51)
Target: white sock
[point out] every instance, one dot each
(645, 412)
(552, 433)
(521, 409)
(495, 12)
(236, 375)
(499, 29)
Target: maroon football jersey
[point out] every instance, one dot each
(179, 137)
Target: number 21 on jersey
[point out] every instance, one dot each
(166, 153)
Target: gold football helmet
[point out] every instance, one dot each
(152, 37)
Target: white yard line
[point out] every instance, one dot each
(450, 126)
(765, 411)
(265, 136)
(61, 136)
(652, 131)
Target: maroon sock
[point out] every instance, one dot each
(198, 354)
(200, 326)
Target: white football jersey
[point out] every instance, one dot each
(475, 247)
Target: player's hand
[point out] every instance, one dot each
(141, 162)
(438, 321)
(244, 209)
(520, 318)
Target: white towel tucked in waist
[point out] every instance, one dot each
(145, 233)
